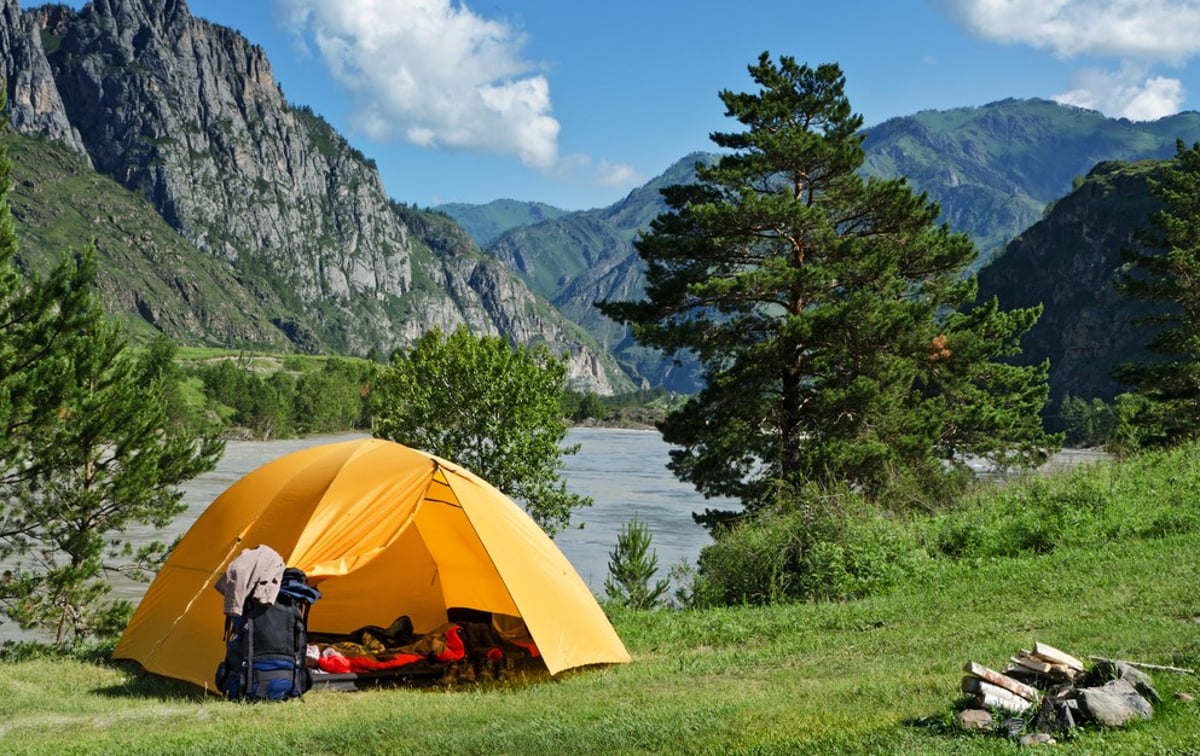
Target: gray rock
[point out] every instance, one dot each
(1116, 703)
(1109, 669)
(975, 719)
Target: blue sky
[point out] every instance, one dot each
(576, 103)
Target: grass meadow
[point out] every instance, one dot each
(1097, 561)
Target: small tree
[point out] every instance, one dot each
(631, 567)
(331, 399)
(488, 406)
(112, 458)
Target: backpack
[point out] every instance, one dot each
(265, 647)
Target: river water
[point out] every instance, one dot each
(623, 471)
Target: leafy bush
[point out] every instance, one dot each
(333, 398)
(803, 552)
(1138, 426)
(580, 406)
(802, 549)
(1087, 424)
(1148, 496)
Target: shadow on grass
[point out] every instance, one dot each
(142, 684)
(139, 683)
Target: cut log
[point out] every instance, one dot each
(994, 696)
(1027, 692)
(1028, 661)
(1144, 665)
(1054, 656)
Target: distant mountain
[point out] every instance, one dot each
(993, 170)
(585, 256)
(485, 222)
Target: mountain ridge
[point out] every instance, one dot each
(294, 225)
(187, 114)
(993, 169)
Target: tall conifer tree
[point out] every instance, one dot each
(1165, 272)
(832, 314)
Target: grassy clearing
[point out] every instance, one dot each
(877, 675)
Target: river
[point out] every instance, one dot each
(623, 471)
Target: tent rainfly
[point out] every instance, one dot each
(383, 530)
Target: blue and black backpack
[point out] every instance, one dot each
(265, 646)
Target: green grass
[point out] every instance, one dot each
(877, 675)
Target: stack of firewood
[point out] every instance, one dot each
(1045, 663)
(1011, 690)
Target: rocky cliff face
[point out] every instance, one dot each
(33, 99)
(188, 114)
(1070, 262)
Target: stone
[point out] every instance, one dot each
(1116, 703)
(1055, 715)
(1107, 669)
(975, 720)
(1036, 739)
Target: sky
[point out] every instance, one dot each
(575, 103)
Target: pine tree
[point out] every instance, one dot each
(631, 567)
(1165, 273)
(88, 450)
(832, 314)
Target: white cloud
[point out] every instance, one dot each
(433, 73)
(1166, 31)
(577, 167)
(1129, 93)
(1138, 33)
(617, 175)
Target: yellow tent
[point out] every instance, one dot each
(383, 531)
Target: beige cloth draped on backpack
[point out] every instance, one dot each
(255, 572)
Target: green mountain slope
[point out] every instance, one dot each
(485, 222)
(994, 168)
(150, 278)
(586, 256)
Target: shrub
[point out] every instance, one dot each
(798, 550)
(1087, 423)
